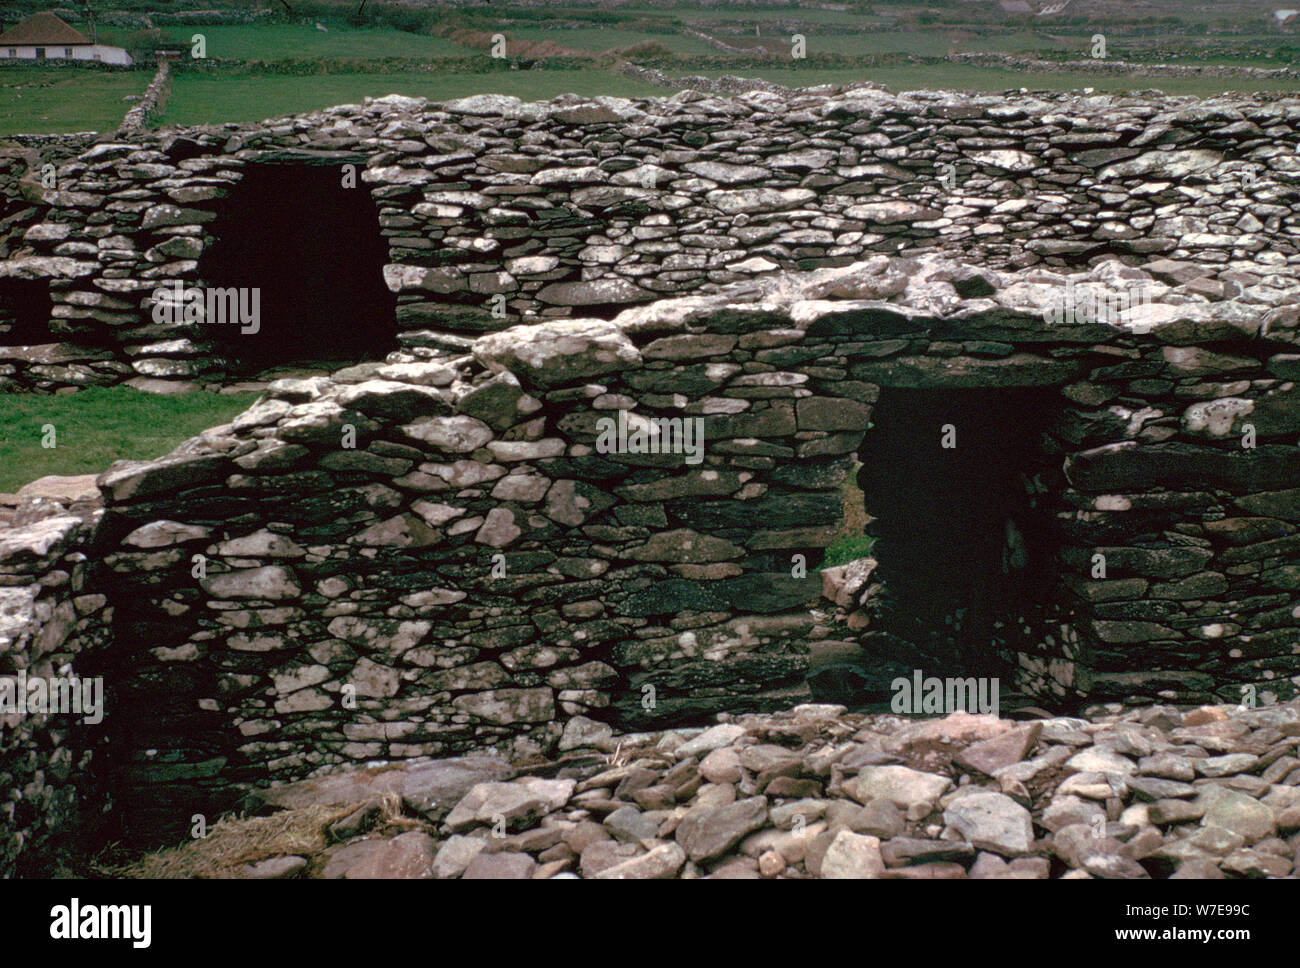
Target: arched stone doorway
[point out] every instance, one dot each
(301, 244)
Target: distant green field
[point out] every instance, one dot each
(202, 99)
(44, 100)
(97, 426)
(603, 39)
(294, 41)
(35, 100)
(807, 15)
(934, 44)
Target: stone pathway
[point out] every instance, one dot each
(818, 792)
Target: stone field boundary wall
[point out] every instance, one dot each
(418, 558)
(582, 207)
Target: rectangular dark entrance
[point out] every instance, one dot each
(25, 312)
(955, 481)
(311, 248)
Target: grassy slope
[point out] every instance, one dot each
(600, 39)
(202, 100)
(43, 100)
(36, 100)
(97, 426)
(281, 41)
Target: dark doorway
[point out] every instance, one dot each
(313, 250)
(25, 311)
(954, 482)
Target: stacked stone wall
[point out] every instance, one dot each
(497, 211)
(419, 558)
(53, 625)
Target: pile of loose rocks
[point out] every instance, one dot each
(819, 792)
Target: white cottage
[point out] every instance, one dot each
(43, 36)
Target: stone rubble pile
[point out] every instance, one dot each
(817, 792)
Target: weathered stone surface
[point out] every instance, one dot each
(271, 582)
(455, 435)
(506, 865)
(992, 821)
(455, 854)
(659, 863)
(900, 785)
(594, 293)
(525, 828)
(134, 480)
(920, 372)
(407, 856)
(990, 755)
(518, 803)
(507, 706)
(706, 832)
(560, 352)
(852, 856)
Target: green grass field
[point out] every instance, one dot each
(35, 100)
(199, 99)
(38, 100)
(829, 40)
(852, 541)
(752, 14)
(294, 41)
(97, 426)
(597, 40)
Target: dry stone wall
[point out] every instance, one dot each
(581, 207)
(421, 557)
(428, 554)
(52, 625)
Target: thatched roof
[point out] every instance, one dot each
(43, 29)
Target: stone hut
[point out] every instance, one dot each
(614, 505)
